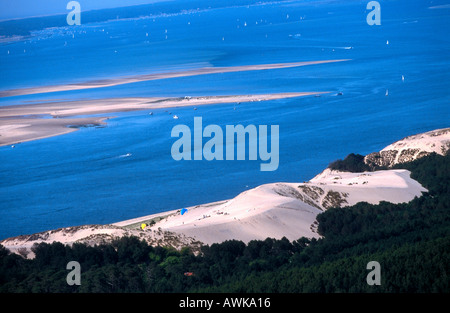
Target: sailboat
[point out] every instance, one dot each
(387, 93)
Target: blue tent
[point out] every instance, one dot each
(183, 211)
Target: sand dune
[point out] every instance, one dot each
(290, 209)
(286, 209)
(94, 235)
(411, 148)
(272, 210)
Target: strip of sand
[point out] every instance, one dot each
(16, 130)
(19, 123)
(155, 76)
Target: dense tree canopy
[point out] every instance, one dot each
(351, 163)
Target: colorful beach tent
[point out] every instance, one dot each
(143, 225)
(183, 211)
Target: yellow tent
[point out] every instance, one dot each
(143, 225)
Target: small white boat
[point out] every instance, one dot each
(403, 78)
(387, 93)
(175, 117)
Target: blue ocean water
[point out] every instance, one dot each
(125, 170)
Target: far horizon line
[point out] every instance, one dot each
(83, 11)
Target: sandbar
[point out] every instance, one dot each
(20, 123)
(108, 82)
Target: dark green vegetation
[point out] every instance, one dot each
(411, 242)
(352, 163)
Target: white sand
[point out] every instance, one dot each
(285, 209)
(16, 130)
(411, 148)
(437, 141)
(394, 186)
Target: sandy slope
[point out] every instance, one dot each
(287, 209)
(95, 234)
(411, 148)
